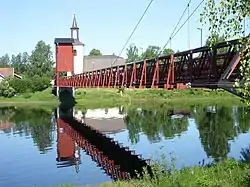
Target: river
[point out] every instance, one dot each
(39, 149)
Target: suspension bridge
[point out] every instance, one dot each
(203, 67)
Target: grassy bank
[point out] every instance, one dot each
(111, 97)
(45, 97)
(150, 96)
(229, 173)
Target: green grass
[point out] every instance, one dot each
(110, 97)
(42, 98)
(228, 173)
(159, 96)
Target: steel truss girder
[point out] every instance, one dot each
(202, 67)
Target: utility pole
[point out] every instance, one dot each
(201, 35)
(189, 43)
(93, 66)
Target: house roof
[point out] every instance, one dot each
(7, 72)
(91, 63)
(64, 41)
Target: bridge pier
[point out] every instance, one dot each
(65, 94)
(60, 89)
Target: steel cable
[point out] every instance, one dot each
(183, 24)
(144, 13)
(171, 36)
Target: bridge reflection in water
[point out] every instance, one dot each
(117, 162)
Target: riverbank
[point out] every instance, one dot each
(229, 173)
(111, 97)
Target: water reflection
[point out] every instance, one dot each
(35, 123)
(118, 162)
(68, 151)
(155, 123)
(216, 125)
(216, 128)
(102, 150)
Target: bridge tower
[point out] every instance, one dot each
(78, 48)
(69, 57)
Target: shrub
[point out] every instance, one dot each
(39, 83)
(28, 85)
(19, 85)
(6, 90)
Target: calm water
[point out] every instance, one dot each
(38, 149)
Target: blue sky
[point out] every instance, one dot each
(105, 25)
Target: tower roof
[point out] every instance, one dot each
(74, 23)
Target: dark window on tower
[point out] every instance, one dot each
(75, 52)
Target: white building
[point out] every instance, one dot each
(78, 48)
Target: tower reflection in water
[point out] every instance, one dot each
(116, 161)
(68, 151)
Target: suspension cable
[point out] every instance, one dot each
(188, 17)
(144, 13)
(185, 21)
(171, 36)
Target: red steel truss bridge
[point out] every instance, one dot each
(204, 67)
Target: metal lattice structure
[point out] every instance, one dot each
(202, 67)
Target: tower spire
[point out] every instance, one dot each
(74, 24)
(74, 29)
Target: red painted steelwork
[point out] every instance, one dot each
(202, 67)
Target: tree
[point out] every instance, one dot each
(19, 63)
(151, 52)
(4, 61)
(168, 51)
(95, 52)
(227, 18)
(36, 71)
(178, 58)
(40, 61)
(132, 53)
(216, 38)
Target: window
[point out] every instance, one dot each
(75, 52)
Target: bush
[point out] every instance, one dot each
(39, 83)
(6, 90)
(20, 85)
(28, 85)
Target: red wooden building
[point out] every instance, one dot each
(64, 56)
